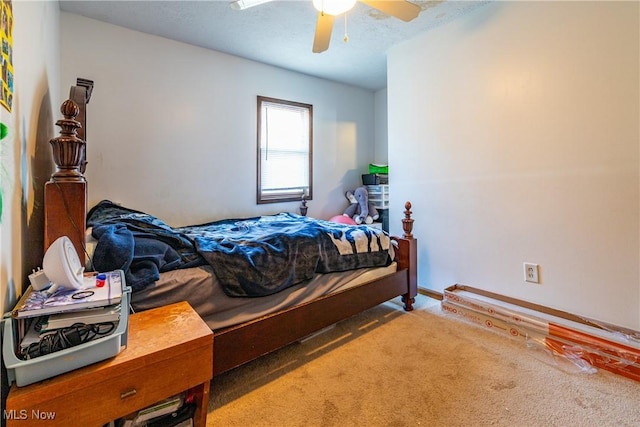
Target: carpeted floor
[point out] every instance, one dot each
(387, 367)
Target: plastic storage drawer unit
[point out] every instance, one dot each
(379, 196)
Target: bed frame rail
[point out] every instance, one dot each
(276, 331)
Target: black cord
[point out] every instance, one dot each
(76, 334)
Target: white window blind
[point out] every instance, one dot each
(285, 150)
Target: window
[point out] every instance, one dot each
(285, 141)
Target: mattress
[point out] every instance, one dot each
(200, 288)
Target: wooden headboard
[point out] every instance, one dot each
(65, 195)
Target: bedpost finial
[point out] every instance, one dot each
(407, 222)
(303, 206)
(68, 149)
(70, 110)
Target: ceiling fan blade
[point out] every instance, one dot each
(400, 9)
(324, 26)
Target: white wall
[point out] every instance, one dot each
(172, 127)
(520, 143)
(36, 51)
(381, 153)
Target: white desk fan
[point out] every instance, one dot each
(62, 266)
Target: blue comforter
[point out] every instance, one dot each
(251, 257)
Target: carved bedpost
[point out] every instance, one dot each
(409, 258)
(303, 206)
(65, 195)
(407, 222)
(68, 149)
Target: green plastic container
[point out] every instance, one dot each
(383, 169)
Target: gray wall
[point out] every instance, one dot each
(172, 127)
(519, 143)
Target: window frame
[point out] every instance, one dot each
(261, 197)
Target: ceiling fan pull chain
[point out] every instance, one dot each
(346, 36)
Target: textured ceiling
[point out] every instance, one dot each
(279, 33)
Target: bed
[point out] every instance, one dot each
(248, 321)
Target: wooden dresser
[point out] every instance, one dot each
(169, 350)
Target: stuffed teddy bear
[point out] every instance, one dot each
(360, 210)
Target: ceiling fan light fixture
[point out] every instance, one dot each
(333, 7)
(245, 4)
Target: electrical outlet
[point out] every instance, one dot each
(531, 273)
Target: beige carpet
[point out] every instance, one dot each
(387, 367)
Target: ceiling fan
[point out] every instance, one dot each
(329, 9)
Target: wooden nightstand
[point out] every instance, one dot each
(169, 350)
